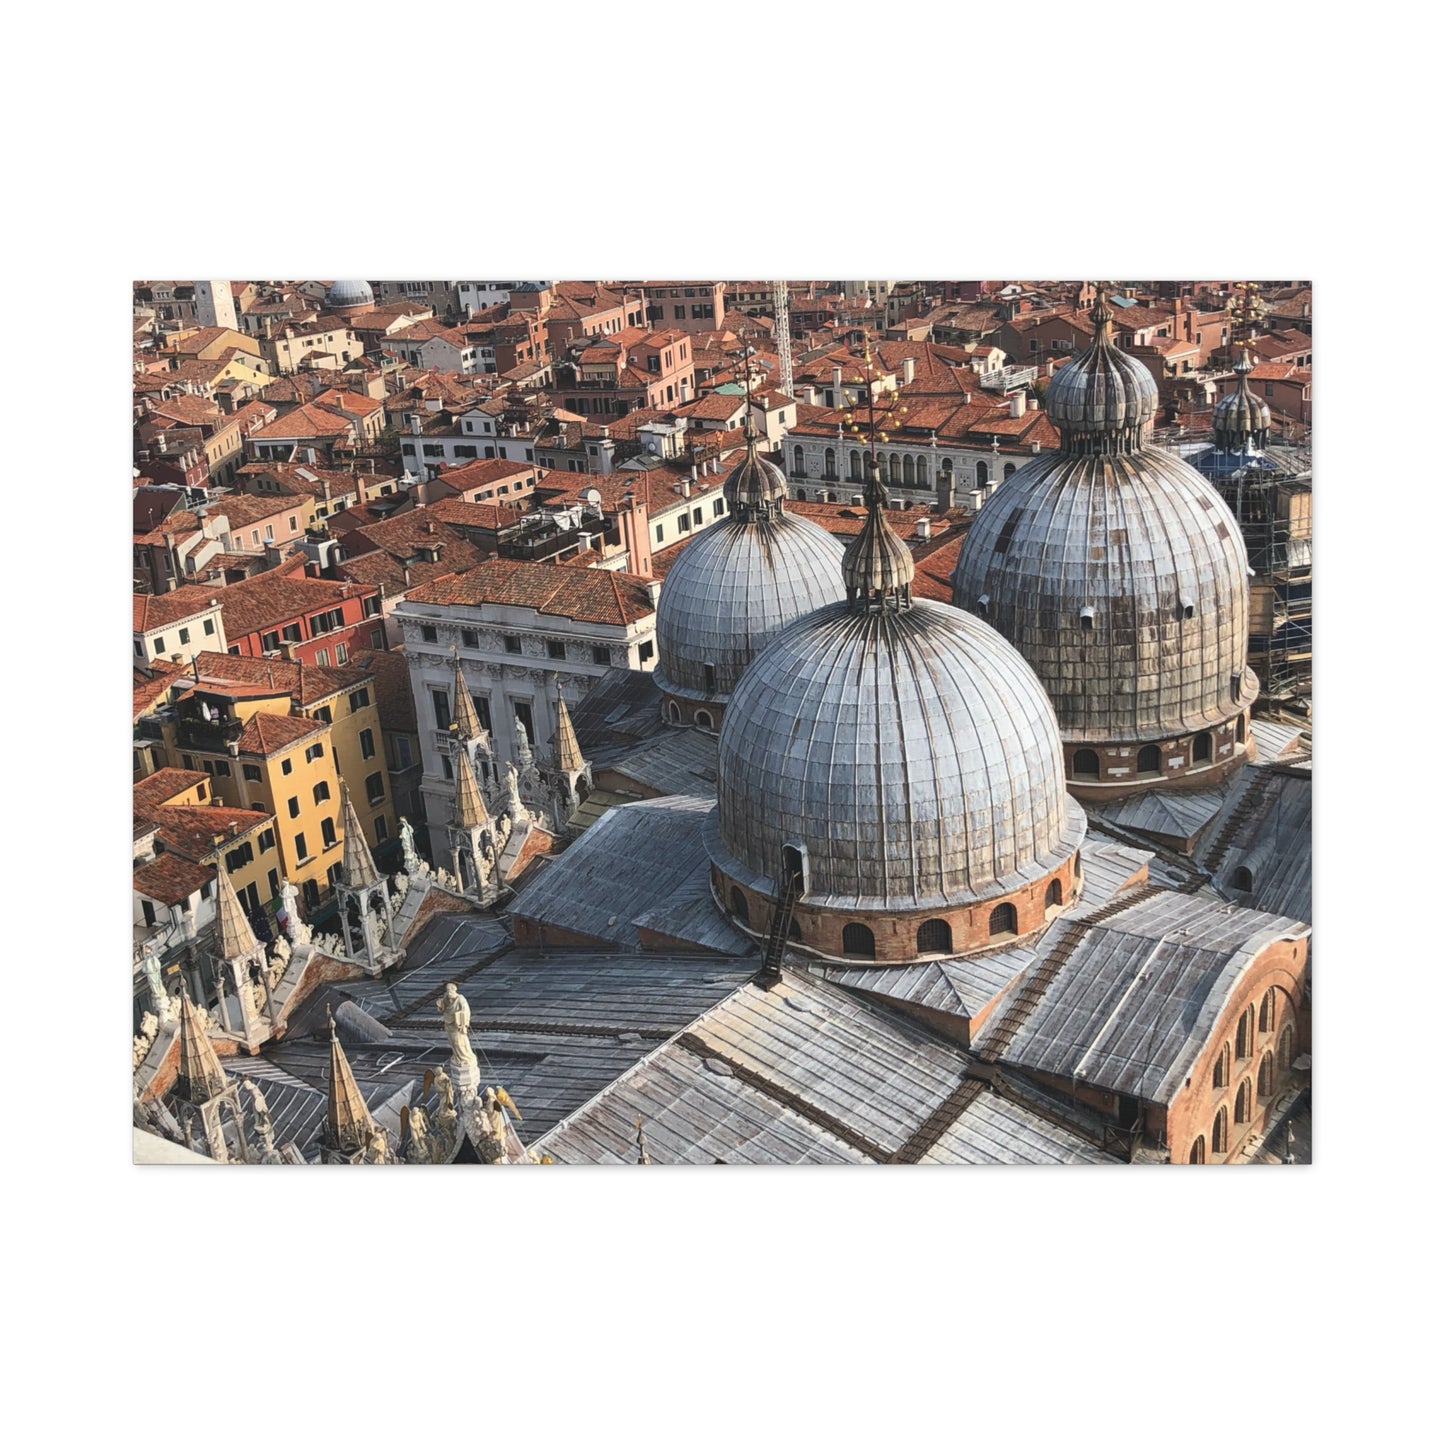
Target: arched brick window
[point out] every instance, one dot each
(935, 936)
(1286, 1046)
(1266, 1075)
(674, 713)
(1244, 1035)
(1054, 898)
(1243, 1103)
(1220, 1141)
(1148, 761)
(1268, 1017)
(1004, 919)
(1086, 763)
(1221, 1068)
(857, 941)
(703, 718)
(1239, 732)
(1197, 1154)
(1203, 747)
(738, 905)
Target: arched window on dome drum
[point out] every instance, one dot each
(1221, 1069)
(1239, 733)
(980, 473)
(1004, 919)
(1244, 1103)
(1244, 1035)
(830, 465)
(709, 677)
(1243, 879)
(738, 905)
(1197, 1153)
(1203, 747)
(908, 474)
(1286, 1046)
(935, 936)
(703, 718)
(1008, 470)
(1148, 762)
(1054, 898)
(895, 470)
(1220, 1141)
(857, 941)
(674, 713)
(1078, 865)
(1086, 763)
(1266, 1074)
(855, 466)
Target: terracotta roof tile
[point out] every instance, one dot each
(171, 879)
(615, 598)
(268, 732)
(149, 793)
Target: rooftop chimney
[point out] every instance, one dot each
(907, 370)
(1017, 403)
(925, 528)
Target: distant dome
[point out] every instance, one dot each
(1241, 419)
(346, 294)
(1104, 392)
(732, 590)
(911, 752)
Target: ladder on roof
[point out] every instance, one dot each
(790, 889)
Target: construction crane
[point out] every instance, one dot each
(783, 335)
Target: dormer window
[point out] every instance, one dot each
(1086, 618)
(1186, 608)
(983, 604)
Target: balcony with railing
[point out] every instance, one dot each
(1008, 378)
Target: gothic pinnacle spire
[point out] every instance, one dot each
(234, 932)
(200, 1077)
(469, 809)
(357, 862)
(464, 711)
(569, 750)
(349, 1125)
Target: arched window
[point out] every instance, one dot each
(857, 941)
(709, 677)
(855, 466)
(935, 936)
(980, 473)
(1203, 747)
(1086, 763)
(802, 494)
(908, 473)
(921, 473)
(830, 465)
(947, 468)
(1244, 1035)
(1054, 898)
(1008, 470)
(1243, 879)
(1267, 1016)
(1148, 762)
(1266, 1074)
(1239, 733)
(1286, 1046)
(1243, 1103)
(830, 496)
(703, 718)
(738, 905)
(798, 468)
(1221, 1069)
(1197, 1152)
(674, 713)
(895, 470)
(1078, 865)
(1004, 919)
(1220, 1141)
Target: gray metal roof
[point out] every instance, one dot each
(1266, 828)
(621, 708)
(1138, 994)
(1165, 813)
(735, 588)
(912, 753)
(1275, 740)
(1108, 866)
(1146, 543)
(681, 760)
(634, 863)
(996, 1129)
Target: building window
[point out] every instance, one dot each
(368, 743)
(857, 941)
(1243, 879)
(709, 678)
(1054, 898)
(328, 833)
(469, 639)
(1239, 729)
(935, 936)
(684, 523)
(830, 465)
(1003, 920)
(1221, 1069)
(718, 507)
(703, 718)
(140, 650)
(1286, 1045)
(523, 712)
(375, 789)
(441, 708)
(293, 807)
(267, 840)
(321, 792)
(556, 650)
(798, 468)
(1244, 1035)
(428, 633)
(323, 657)
(1266, 1075)
(697, 516)
(1244, 1103)
(511, 642)
(644, 652)
(674, 713)
(322, 714)
(315, 751)
(980, 472)
(1008, 470)
(659, 531)
(738, 906)
(1086, 763)
(1148, 761)
(299, 843)
(380, 828)
(1267, 1011)
(185, 635)
(1197, 1153)
(1220, 1141)
(446, 767)
(209, 627)
(160, 645)
(359, 699)
(285, 767)
(1203, 747)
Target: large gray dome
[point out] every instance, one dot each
(732, 590)
(1124, 582)
(349, 293)
(909, 750)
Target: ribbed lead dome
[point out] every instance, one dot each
(909, 750)
(1102, 396)
(350, 293)
(1241, 419)
(733, 590)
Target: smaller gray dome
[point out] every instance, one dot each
(350, 293)
(1102, 393)
(754, 483)
(1241, 419)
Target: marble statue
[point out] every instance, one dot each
(377, 1151)
(514, 795)
(445, 1093)
(261, 1116)
(292, 924)
(376, 930)
(151, 965)
(408, 845)
(524, 747)
(456, 1015)
(419, 1150)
